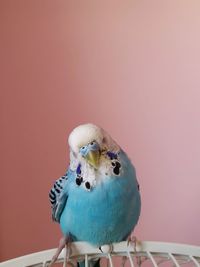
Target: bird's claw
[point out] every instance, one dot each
(133, 241)
(64, 241)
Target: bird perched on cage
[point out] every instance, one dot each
(98, 199)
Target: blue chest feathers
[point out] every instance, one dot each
(106, 214)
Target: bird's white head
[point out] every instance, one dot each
(88, 142)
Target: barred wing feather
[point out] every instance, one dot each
(58, 197)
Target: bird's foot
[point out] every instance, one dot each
(64, 241)
(132, 240)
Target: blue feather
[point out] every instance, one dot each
(106, 214)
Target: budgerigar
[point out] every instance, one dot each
(98, 198)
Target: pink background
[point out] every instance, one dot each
(132, 67)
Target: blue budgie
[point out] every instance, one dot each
(98, 199)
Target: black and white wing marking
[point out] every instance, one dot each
(58, 198)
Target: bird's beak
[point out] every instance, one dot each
(93, 157)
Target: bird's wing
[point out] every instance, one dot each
(58, 197)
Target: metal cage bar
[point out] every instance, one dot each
(110, 260)
(130, 259)
(152, 259)
(174, 260)
(197, 264)
(177, 254)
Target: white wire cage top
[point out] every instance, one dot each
(145, 253)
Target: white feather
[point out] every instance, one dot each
(83, 135)
(86, 133)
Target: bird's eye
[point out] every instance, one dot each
(93, 143)
(82, 147)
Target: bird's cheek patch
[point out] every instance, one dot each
(78, 169)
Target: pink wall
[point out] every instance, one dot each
(130, 66)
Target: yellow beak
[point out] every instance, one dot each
(93, 157)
